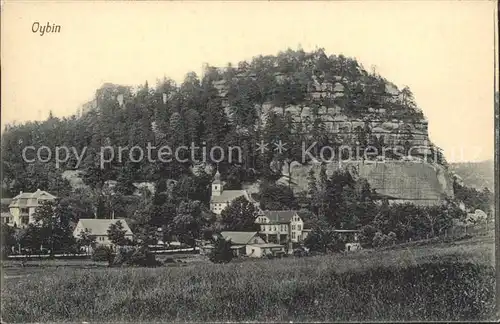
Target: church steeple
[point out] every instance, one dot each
(217, 184)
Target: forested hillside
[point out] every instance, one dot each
(240, 105)
(478, 175)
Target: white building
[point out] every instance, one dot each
(221, 198)
(99, 229)
(22, 207)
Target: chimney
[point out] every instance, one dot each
(20, 192)
(164, 98)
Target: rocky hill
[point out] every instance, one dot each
(294, 97)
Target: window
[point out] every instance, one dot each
(215, 187)
(256, 241)
(24, 210)
(25, 220)
(293, 235)
(299, 227)
(293, 227)
(7, 220)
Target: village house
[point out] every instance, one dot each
(221, 198)
(23, 206)
(6, 216)
(281, 226)
(99, 229)
(351, 237)
(248, 244)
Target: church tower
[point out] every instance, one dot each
(216, 184)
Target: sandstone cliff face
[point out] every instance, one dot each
(401, 181)
(393, 121)
(325, 103)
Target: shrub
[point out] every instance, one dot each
(367, 234)
(102, 253)
(221, 253)
(391, 238)
(378, 239)
(133, 256)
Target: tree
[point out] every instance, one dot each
(277, 197)
(86, 239)
(221, 252)
(116, 233)
(324, 240)
(239, 215)
(311, 183)
(188, 222)
(8, 239)
(31, 238)
(53, 220)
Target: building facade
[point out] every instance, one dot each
(23, 206)
(7, 218)
(281, 226)
(99, 229)
(221, 198)
(248, 244)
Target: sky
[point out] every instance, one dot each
(444, 51)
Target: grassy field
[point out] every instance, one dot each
(452, 281)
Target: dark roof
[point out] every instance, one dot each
(279, 216)
(227, 196)
(239, 237)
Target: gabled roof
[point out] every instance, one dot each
(37, 194)
(25, 199)
(227, 196)
(239, 237)
(101, 226)
(279, 216)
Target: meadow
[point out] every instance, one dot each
(447, 281)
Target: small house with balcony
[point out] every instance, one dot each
(23, 206)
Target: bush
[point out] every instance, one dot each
(391, 238)
(378, 239)
(133, 256)
(221, 253)
(102, 253)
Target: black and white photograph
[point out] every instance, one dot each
(249, 161)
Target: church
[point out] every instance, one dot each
(221, 198)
